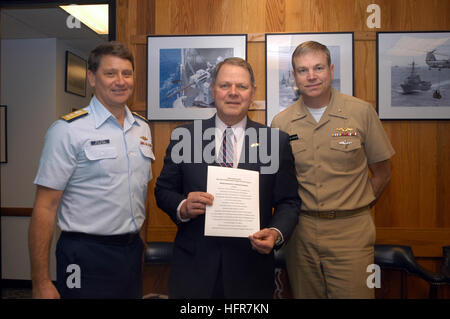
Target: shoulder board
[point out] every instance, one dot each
(140, 116)
(74, 115)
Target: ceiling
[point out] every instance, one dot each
(47, 23)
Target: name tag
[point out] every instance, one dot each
(100, 142)
(293, 137)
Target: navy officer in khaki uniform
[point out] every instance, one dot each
(336, 140)
(93, 177)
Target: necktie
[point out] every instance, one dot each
(226, 151)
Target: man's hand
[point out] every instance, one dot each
(45, 290)
(195, 204)
(264, 240)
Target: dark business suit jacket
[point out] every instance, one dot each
(197, 259)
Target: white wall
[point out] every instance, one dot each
(28, 71)
(15, 257)
(32, 86)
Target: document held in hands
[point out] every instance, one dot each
(235, 209)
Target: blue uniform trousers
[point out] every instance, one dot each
(91, 266)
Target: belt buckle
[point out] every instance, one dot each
(327, 215)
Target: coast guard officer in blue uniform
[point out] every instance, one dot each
(93, 177)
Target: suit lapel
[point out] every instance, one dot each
(248, 149)
(211, 151)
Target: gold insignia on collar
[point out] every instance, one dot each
(74, 115)
(140, 116)
(254, 145)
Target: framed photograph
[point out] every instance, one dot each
(180, 70)
(76, 72)
(413, 75)
(3, 139)
(281, 90)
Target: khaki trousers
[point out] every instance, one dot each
(328, 258)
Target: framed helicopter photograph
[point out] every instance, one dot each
(179, 73)
(413, 75)
(281, 90)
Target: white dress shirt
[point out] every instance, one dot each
(239, 134)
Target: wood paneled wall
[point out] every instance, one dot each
(415, 208)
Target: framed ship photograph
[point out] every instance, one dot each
(281, 90)
(413, 75)
(180, 70)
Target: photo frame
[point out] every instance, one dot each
(280, 84)
(76, 73)
(179, 73)
(413, 75)
(3, 135)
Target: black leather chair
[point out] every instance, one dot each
(445, 269)
(158, 253)
(395, 257)
(398, 257)
(280, 258)
(157, 256)
(402, 258)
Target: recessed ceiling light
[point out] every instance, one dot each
(95, 16)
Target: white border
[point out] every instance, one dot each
(156, 43)
(385, 109)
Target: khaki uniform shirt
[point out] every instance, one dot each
(332, 156)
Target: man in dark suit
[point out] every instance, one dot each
(227, 267)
